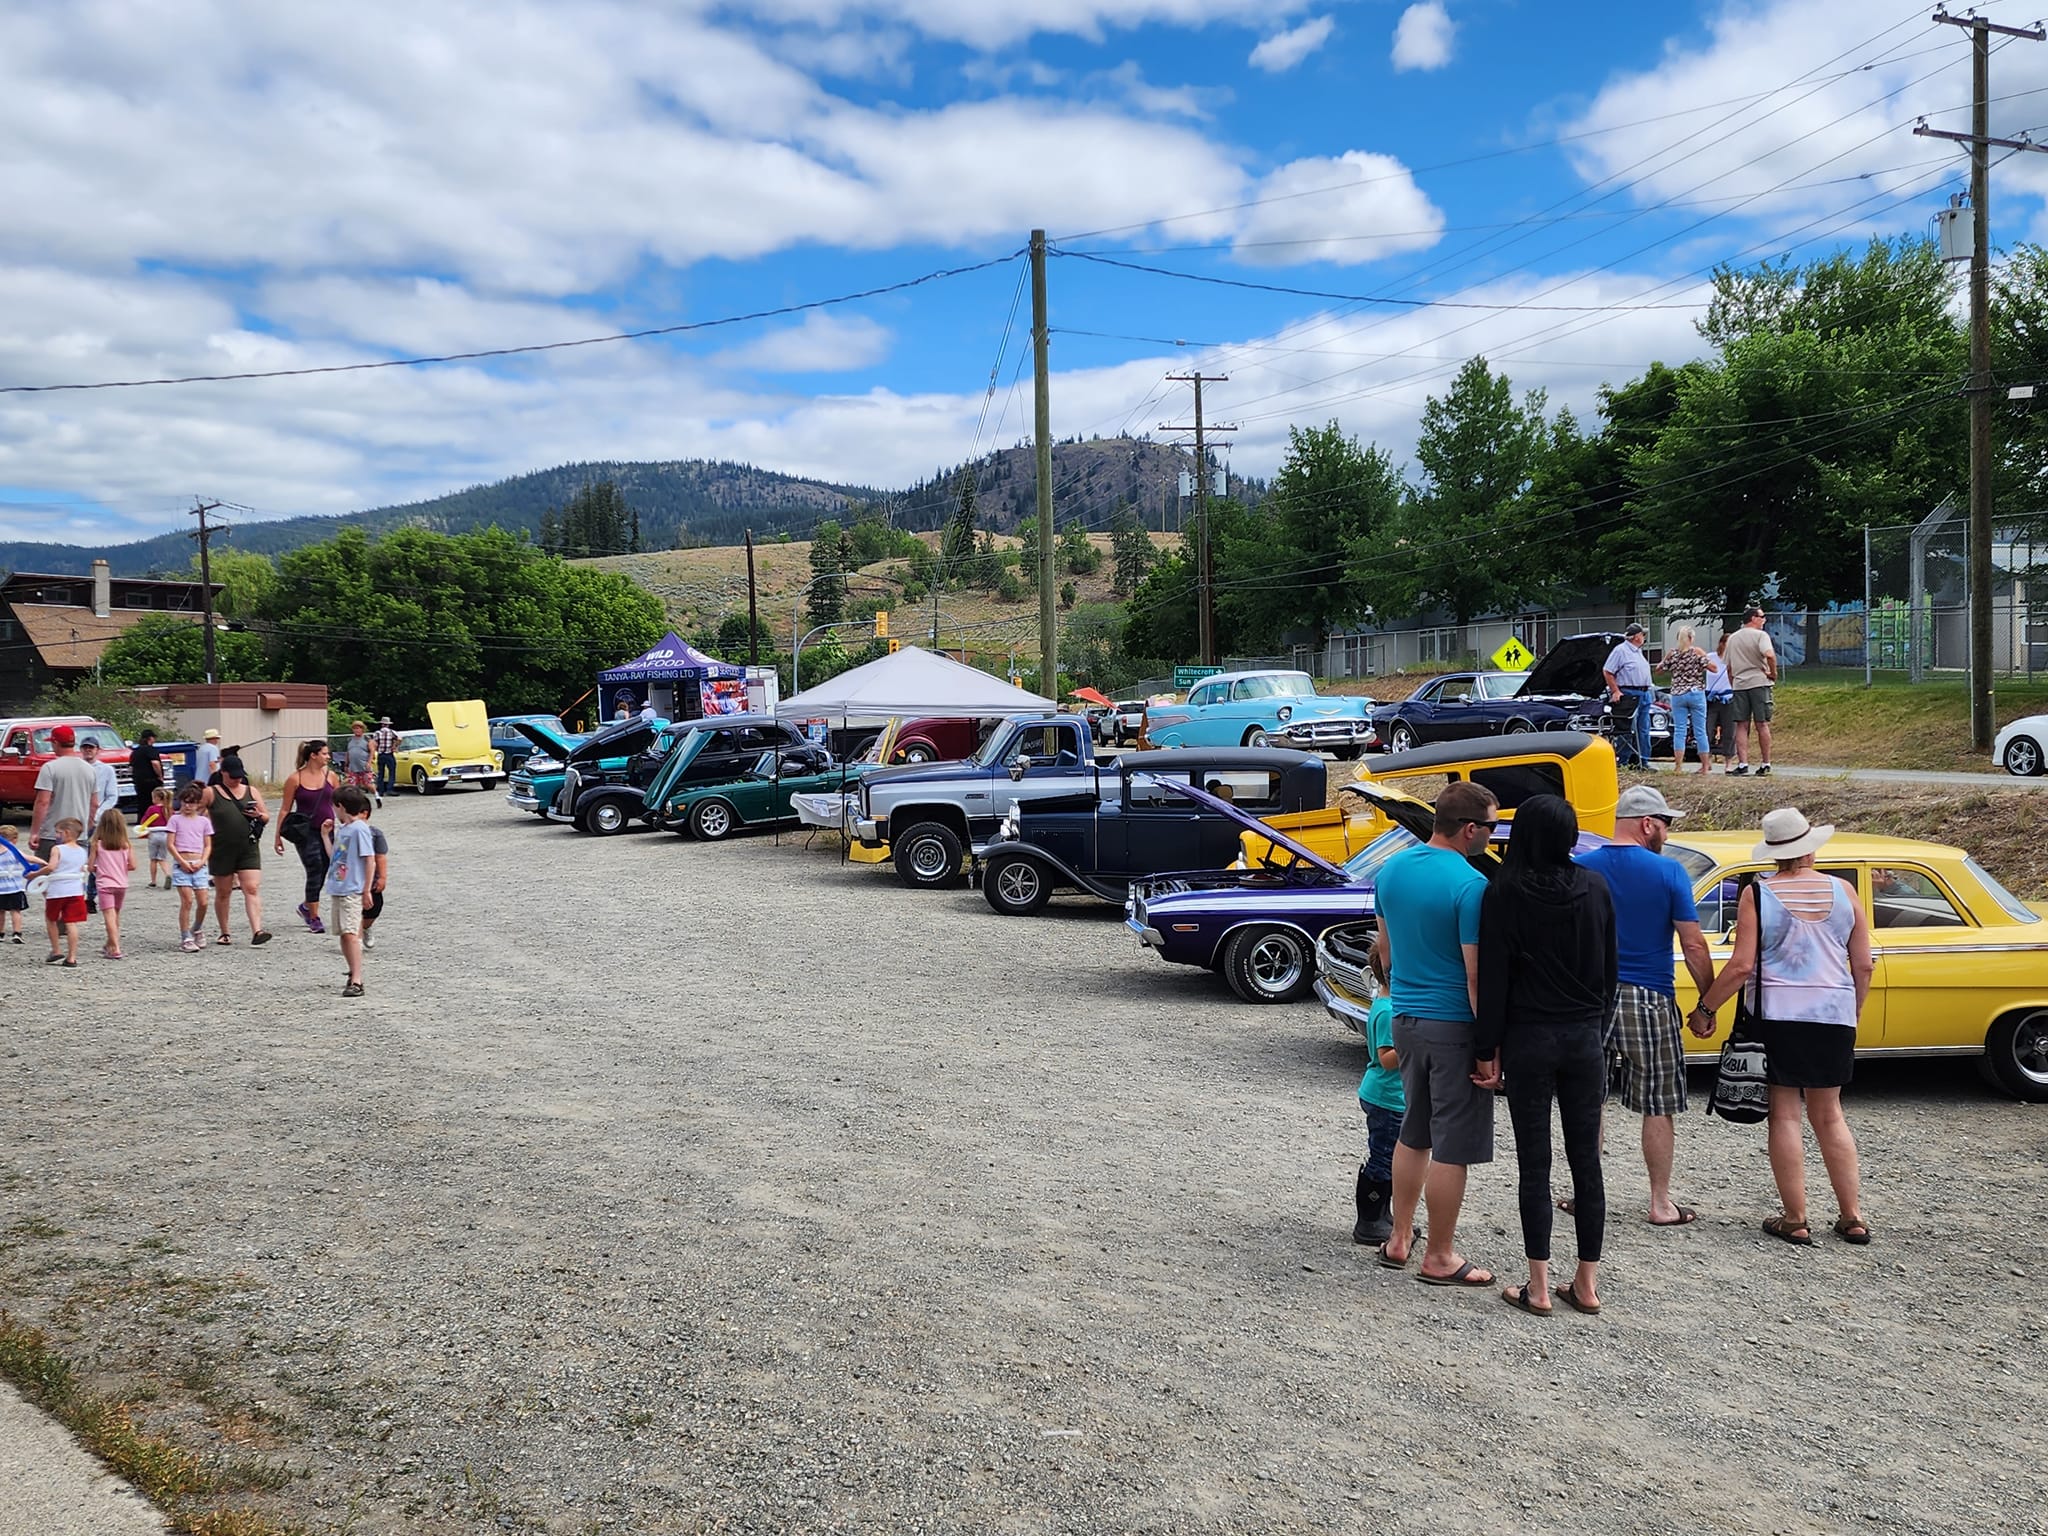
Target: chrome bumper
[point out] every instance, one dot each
(1343, 1009)
(1317, 733)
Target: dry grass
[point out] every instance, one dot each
(183, 1483)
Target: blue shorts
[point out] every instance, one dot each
(184, 879)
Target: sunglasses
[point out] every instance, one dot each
(1489, 825)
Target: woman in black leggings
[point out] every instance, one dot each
(1546, 983)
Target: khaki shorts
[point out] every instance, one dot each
(1753, 704)
(346, 914)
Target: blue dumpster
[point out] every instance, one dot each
(178, 757)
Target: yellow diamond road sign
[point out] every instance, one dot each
(1513, 656)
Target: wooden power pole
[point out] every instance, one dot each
(1048, 609)
(204, 535)
(1982, 697)
(1205, 558)
(753, 611)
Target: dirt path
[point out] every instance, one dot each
(660, 1187)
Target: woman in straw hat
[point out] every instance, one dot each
(1805, 938)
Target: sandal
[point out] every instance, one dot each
(1796, 1232)
(260, 938)
(1466, 1276)
(1570, 1298)
(223, 939)
(1853, 1229)
(1517, 1296)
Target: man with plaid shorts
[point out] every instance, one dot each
(1645, 1036)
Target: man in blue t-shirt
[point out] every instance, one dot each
(1652, 905)
(1427, 900)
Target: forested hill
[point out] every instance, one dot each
(700, 501)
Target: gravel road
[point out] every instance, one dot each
(659, 1187)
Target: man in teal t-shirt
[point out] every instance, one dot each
(1380, 1097)
(1427, 900)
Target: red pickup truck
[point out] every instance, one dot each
(25, 747)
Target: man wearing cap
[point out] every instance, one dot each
(1645, 1035)
(206, 761)
(386, 742)
(1752, 669)
(106, 783)
(1627, 671)
(66, 788)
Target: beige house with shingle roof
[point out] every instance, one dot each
(54, 627)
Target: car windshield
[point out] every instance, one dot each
(1501, 685)
(1367, 861)
(2013, 907)
(1267, 685)
(1000, 745)
(413, 741)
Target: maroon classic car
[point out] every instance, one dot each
(938, 740)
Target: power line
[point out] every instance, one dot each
(515, 351)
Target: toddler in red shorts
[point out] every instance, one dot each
(64, 896)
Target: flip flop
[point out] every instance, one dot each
(1570, 1298)
(1852, 1229)
(1388, 1261)
(1517, 1296)
(223, 939)
(1795, 1232)
(1464, 1277)
(1686, 1217)
(1568, 1205)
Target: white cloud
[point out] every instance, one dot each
(1375, 211)
(820, 343)
(991, 24)
(1423, 36)
(1283, 50)
(1750, 121)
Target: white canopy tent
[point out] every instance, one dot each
(912, 682)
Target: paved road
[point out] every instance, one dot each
(49, 1487)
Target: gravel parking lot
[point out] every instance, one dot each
(663, 1187)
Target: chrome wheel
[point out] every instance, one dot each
(1268, 965)
(1519, 728)
(712, 820)
(419, 781)
(1016, 887)
(1257, 738)
(2023, 757)
(1276, 962)
(608, 817)
(1401, 740)
(917, 754)
(2016, 1055)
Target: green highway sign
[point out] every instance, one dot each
(1187, 677)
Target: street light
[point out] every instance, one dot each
(796, 609)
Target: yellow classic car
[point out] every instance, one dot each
(1962, 964)
(1515, 768)
(457, 750)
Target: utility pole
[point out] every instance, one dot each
(204, 534)
(1041, 390)
(1205, 560)
(753, 613)
(1982, 698)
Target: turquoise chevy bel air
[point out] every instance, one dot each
(1263, 709)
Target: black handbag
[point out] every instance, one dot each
(1742, 1090)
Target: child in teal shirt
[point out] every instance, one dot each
(1380, 1096)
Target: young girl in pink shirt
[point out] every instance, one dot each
(191, 844)
(113, 860)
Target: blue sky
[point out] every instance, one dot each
(231, 186)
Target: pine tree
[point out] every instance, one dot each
(1131, 553)
(827, 602)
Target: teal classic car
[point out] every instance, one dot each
(534, 784)
(758, 797)
(1263, 709)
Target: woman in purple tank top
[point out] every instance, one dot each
(308, 805)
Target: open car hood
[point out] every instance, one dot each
(1570, 668)
(556, 743)
(622, 738)
(1402, 809)
(461, 729)
(1273, 835)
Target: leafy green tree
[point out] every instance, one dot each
(1069, 594)
(100, 701)
(168, 648)
(1296, 565)
(827, 601)
(245, 579)
(1453, 544)
(420, 616)
(1160, 619)
(1831, 406)
(1132, 554)
(1092, 646)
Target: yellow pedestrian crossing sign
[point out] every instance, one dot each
(1513, 656)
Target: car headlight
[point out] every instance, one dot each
(1284, 713)
(433, 760)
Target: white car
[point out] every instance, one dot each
(2022, 747)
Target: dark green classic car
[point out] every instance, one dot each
(757, 799)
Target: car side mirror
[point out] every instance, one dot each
(1019, 765)
(10, 752)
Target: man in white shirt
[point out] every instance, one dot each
(1627, 671)
(106, 784)
(1752, 669)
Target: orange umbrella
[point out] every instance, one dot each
(1090, 696)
